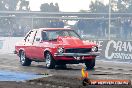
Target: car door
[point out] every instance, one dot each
(29, 43)
(38, 49)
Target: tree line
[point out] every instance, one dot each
(20, 26)
(122, 27)
(98, 27)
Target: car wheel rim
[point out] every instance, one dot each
(48, 60)
(22, 57)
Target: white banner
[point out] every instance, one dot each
(113, 49)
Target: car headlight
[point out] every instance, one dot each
(94, 49)
(60, 50)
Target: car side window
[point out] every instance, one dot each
(30, 37)
(44, 36)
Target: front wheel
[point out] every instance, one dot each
(50, 62)
(24, 60)
(90, 64)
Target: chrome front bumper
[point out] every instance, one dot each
(78, 54)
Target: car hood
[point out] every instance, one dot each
(74, 42)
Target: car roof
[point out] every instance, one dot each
(45, 29)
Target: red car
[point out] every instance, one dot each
(56, 46)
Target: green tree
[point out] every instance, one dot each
(8, 5)
(98, 7)
(49, 7)
(95, 26)
(124, 6)
(129, 6)
(2, 6)
(24, 5)
(45, 7)
(9, 25)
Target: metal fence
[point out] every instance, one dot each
(117, 26)
(113, 35)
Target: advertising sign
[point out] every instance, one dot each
(114, 49)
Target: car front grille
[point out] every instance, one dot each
(78, 50)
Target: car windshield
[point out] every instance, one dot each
(53, 34)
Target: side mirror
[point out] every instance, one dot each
(37, 39)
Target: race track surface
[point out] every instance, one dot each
(65, 77)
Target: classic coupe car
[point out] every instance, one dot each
(56, 46)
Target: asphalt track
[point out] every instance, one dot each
(68, 77)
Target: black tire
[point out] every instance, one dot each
(90, 64)
(24, 60)
(50, 62)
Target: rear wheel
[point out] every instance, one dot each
(90, 64)
(24, 60)
(50, 62)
